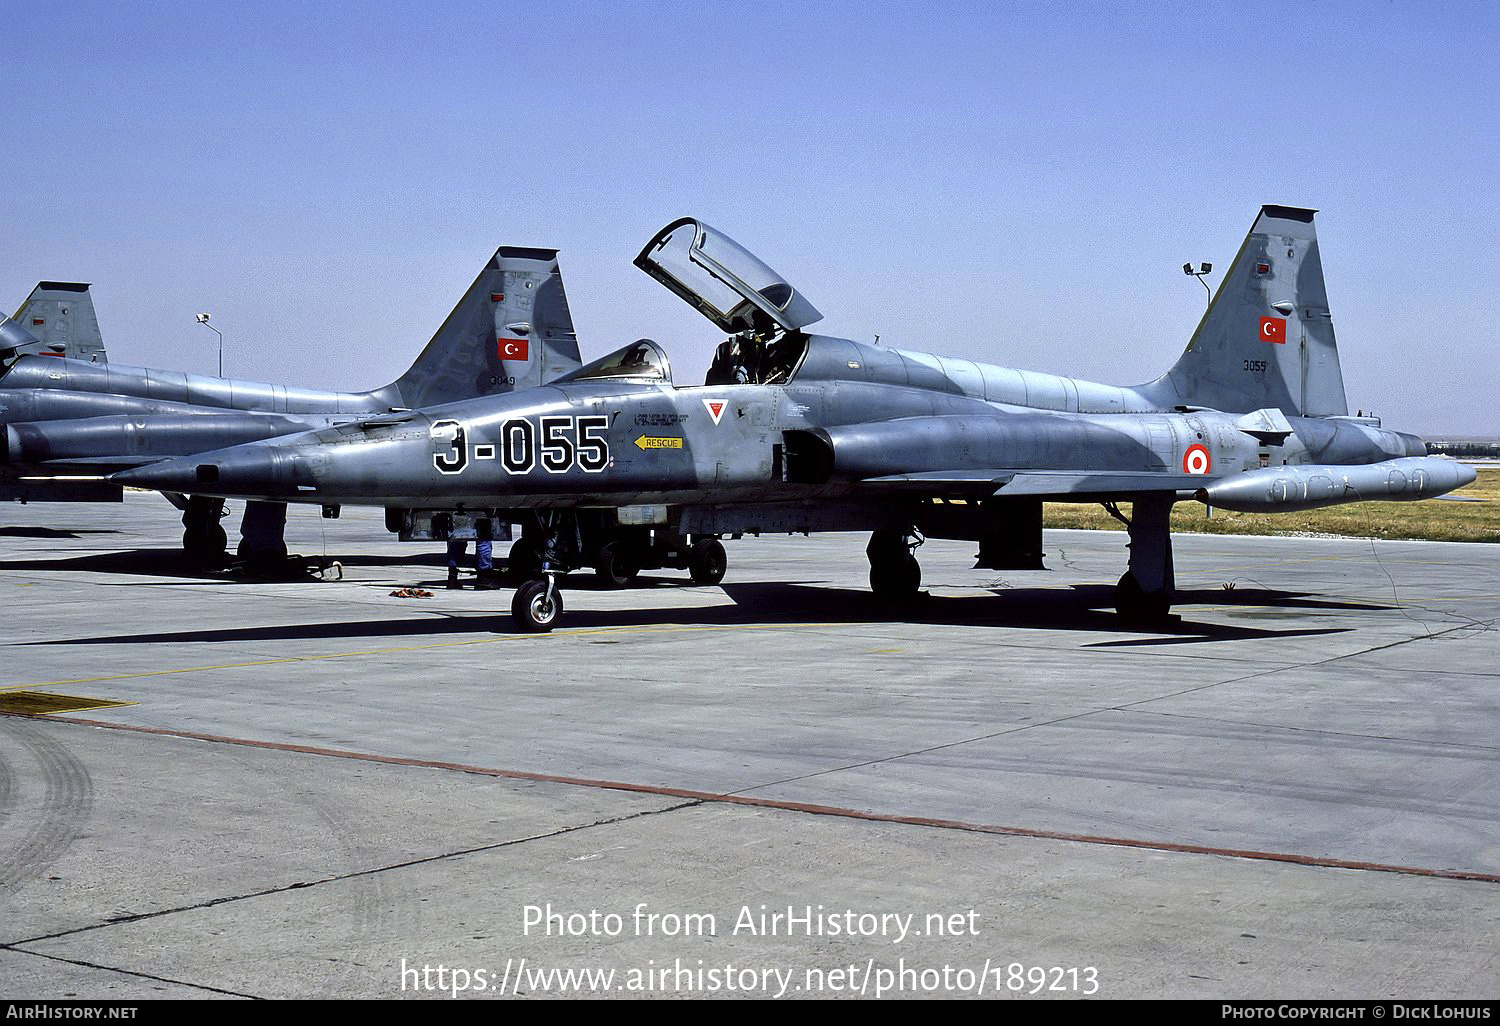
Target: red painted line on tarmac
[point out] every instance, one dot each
(786, 806)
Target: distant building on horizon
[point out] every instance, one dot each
(1464, 448)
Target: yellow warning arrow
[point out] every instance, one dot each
(655, 442)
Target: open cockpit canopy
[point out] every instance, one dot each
(724, 281)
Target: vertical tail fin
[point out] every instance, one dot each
(60, 314)
(1267, 338)
(511, 330)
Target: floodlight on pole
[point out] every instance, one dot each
(203, 319)
(1203, 270)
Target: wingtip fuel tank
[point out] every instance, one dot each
(1311, 486)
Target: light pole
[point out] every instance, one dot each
(1200, 273)
(203, 320)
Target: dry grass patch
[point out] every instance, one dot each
(1430, 520)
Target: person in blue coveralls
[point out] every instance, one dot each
(484, 565)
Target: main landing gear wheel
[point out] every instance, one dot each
(536, 606)
(205, 544)
(707, 562)
(896, 578)
(895, 574)
(203, 537)
(615, 566)
(1132, 603)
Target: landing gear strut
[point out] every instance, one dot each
(263, 535)
(894, 571)
(555, 541)
(1145, 593)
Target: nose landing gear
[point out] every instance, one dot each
(537, 605)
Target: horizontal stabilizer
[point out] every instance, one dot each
(1269, 427)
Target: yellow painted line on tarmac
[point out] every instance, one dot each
(581, 632)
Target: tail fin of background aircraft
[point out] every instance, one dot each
(1267, 338)
(61, 316)
(511, 330)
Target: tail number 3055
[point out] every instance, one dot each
(558, 444)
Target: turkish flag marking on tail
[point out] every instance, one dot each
(514, 348)
(715, 408)
(1273, 329)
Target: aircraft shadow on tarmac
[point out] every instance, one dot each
(177, 565)
(51, 532)
(1086, 608)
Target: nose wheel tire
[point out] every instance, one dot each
(707, 562)
(533, 610)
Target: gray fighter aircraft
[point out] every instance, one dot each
(802, 432)
(68, 418)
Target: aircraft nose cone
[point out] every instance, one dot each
(169, 476)
(228, 473)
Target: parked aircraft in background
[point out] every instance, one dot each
(69, 418)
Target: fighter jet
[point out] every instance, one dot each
(68, 418)
(800, 432)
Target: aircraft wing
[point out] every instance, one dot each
(102, 461)
(1059, 484)
(975, 483)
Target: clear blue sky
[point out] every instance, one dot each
(1013, 182)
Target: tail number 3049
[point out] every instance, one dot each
(557, 444)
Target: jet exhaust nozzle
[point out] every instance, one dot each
(1293, 488)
